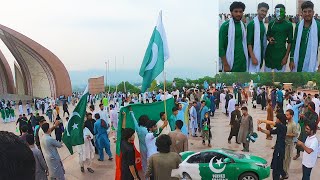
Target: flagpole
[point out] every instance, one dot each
(124, 82)
(165, 95)
(109, 74)
(106, 75)
(115, 70)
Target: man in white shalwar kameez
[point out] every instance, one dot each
(193, 118)
(114, 120)
(223, 101)
(231, 105)
(86, 151)
(20, 109)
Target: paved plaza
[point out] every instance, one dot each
(220, 132)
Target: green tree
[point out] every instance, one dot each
(127, 87)
(180, 83)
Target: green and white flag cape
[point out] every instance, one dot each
(156, 54)
(73, 134)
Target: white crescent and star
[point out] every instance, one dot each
(75, 126)
(219, 162)
(75, 114)
(154, 59)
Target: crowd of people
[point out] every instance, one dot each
(296, 115)
(248, 46)
(161, 141)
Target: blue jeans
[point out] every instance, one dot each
(306, 173)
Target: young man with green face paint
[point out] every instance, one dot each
(280, 32)
(232, 41)
(256, 38)
(304, 51)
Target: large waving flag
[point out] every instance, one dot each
(73, 134)
(153, 111)
(156, 54)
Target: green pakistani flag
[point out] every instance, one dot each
(73, 134)
(156, 54)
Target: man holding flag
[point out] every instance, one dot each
(74, 130)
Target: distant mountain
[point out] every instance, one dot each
(79, 79)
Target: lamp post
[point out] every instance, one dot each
(106, 74)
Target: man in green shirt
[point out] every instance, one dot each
(280, 32)
(232, 41)
(304, 51)
(105, 102)
(256, 38)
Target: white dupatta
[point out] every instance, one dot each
(310, 63)
(231, 43)
(257, 46)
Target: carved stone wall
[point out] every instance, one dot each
(39, 73)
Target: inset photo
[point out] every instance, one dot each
(269, 36)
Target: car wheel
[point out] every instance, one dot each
(248, 176)
(186, 176)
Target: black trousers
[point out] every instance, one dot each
(280, 104)
(278, 168)
(217, 104)
(230, 136)
(306, 173)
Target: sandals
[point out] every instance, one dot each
(90, 170)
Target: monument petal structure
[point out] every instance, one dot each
(38, 72)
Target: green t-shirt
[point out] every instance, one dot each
(3, 113)
(7, 111)
(282, 32)
(12, 112)
(105, 102)
(250, 36)
(240, 62)
(303, 44)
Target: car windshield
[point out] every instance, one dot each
(234, 154)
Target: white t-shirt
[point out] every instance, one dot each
(165, 130)
(309, 160)
(151, 144)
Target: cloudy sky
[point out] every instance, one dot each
(84, 34)
(251, 5)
